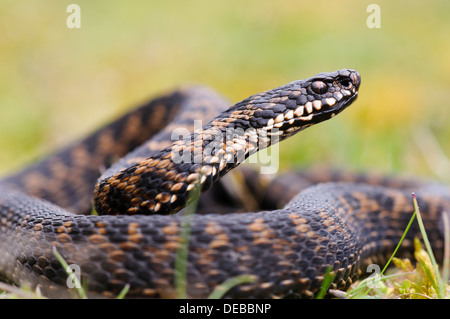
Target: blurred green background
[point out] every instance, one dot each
(59, 84)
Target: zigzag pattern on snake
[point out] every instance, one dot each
(287, 247)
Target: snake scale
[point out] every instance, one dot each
(137, 176)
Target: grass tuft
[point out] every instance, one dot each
(422, 281)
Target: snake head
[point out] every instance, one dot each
(300, 104)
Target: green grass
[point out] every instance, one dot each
(58, 84)
(424, 281)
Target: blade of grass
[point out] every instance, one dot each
(430, 274)
(13, 292)
(183, 249)
(413, 294)
(80, 290)
(446, 266)
(399, 243)
(440, 286)
(220, 290)
(182, 256)
(327, 281)
(124, 291)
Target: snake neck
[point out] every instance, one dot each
(165, 182)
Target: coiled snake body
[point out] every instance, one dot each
(286, 250)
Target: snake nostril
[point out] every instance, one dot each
(346, 83)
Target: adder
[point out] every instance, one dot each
(137, 177)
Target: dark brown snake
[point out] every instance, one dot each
(286, 250)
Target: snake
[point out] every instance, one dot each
(137, 172)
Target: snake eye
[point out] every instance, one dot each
(346, 84)
(319, 87)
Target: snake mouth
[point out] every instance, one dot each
(311, 113)
(343, 105)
